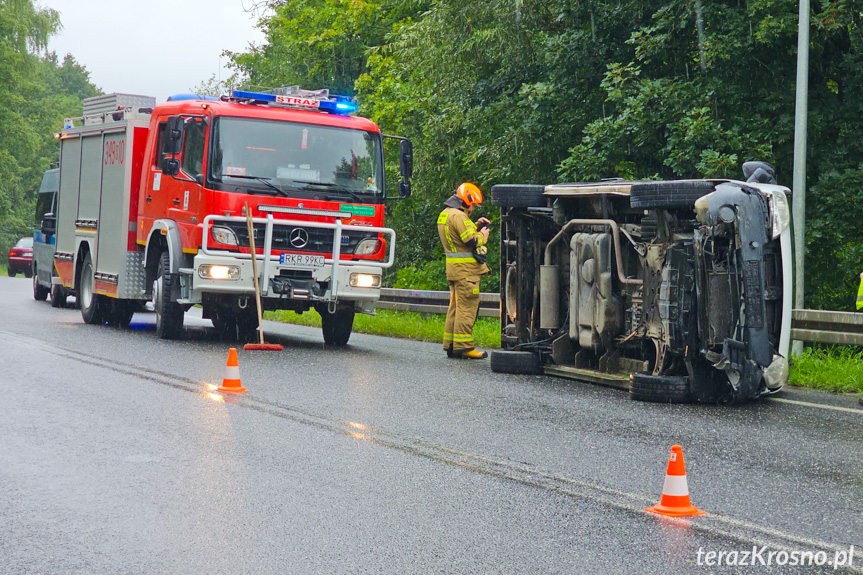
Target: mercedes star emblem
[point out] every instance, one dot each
(299, 237)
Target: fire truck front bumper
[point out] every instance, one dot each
(225, 275)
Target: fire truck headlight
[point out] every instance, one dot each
(365, 280)
(225, 236)
(216, 272)
(367, 247)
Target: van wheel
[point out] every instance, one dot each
(58, 296)
(40, 292)
(522, 362)
(660, 389)
(518, 196)
(337, 327)
(169, 314)
(10, 272)
(675, 194)
(92, 304)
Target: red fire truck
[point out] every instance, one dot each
(154, 202)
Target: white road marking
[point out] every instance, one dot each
(818, 405)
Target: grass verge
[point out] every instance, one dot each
(837, 369)
(404, 324)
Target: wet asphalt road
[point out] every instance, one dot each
(385, 457)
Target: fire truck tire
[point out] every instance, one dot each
(169, 314)
(672, 194)
(660, 389)
(520, 362)
(337, 327)
(40, 292)
(92, 304)
(236, 325)
(121, 312)
(517, 196)
(58, 296)
(247, 325)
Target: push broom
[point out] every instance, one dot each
(261, 345)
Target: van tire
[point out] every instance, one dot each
(517, 362)
(660, 389)
(672, 194)
(40, 292)
(58, 296)
(518, 196)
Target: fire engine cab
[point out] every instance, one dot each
(156, 204)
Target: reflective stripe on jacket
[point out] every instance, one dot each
(459, 237)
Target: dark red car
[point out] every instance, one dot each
(21, 258)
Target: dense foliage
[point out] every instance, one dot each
(37, 92)
(508, 91)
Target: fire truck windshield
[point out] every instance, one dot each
(304, 160)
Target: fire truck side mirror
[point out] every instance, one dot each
(170, 166)
(174, 132)
(49, 224)
(406, 162)
(404, 189)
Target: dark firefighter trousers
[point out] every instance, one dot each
(461, 315)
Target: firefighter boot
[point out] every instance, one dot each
(474, 354)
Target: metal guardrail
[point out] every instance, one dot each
(426, 301)
(814, 326)
(821, 326)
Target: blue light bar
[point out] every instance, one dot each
(339, 105)
(254, 96)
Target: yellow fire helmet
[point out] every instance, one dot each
(470, 194)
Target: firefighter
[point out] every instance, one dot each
(465, 246)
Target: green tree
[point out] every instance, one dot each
(538, 91)
(36, 94)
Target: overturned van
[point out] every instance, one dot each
(674, 290)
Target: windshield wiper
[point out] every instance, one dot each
(332, 187)
(263, 180)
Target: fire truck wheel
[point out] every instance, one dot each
(236, 325)
(247, 325)
(40, 292)
(58, 296)
(121, 313)
(337, 327)
(169, 314)
(92, 304)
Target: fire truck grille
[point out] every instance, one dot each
(300, 239)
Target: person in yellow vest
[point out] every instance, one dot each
(465, 246)
(860, 297)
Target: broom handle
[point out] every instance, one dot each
(255, 271)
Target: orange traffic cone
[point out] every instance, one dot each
(675, 492)
(232, 374)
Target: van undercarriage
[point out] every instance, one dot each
(676, 290)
